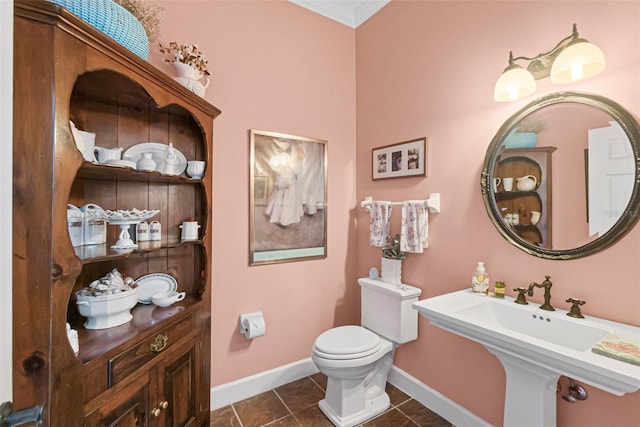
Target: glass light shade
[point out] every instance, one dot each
(514, 83)
(578, 61)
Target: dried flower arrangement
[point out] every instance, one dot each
(531, 125)
(149, 15)
(187, 54)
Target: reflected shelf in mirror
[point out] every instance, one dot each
(582, 130)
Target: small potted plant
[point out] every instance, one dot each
(391, 262)
(498, 289)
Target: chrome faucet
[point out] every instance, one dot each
(547, 293)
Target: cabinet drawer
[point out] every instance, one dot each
(129, 361)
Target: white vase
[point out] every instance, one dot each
(146, 162)
(191, 78)
(391, 270)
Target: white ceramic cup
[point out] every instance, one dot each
(195, 168)
(165, 299)
(535, 217)
(496, 183)
(507, 183)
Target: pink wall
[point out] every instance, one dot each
(276, 67)
(428, 68)
(415, 69)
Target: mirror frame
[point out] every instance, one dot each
(629, 217)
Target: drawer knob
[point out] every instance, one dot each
(160, 343)
(162, 405)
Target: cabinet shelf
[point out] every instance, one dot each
(511, 195)
(531, 233)
(98, 171)
(98, 253)
(68, 70)
(515, 163)
(147, 320)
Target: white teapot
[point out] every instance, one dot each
(526, 183)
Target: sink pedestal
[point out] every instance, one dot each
(530, 396)
(535, 348)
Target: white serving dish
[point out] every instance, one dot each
(131, 216)
(153, 284)
(165, 299)
(118, 162)
(158, 154)
(107, 311)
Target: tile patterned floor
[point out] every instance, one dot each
(296, 404)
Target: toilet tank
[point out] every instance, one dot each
(387, 311)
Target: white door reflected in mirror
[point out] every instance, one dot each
(610, 176)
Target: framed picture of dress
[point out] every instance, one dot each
(400, 160)
(287, 198)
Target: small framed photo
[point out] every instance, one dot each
(400, 160)
(260, 190)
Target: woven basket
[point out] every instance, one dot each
(113, 20)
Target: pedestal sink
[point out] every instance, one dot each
(535, 348)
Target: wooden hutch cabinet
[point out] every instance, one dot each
(155, 369)
(521, 162)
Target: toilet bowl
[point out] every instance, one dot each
(357, 359)
(356, 373)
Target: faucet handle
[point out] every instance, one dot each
(521, 298)
(575, 308)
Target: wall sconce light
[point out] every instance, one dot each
(571, 60)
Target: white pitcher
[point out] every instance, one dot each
(105, 154)
(526, 183)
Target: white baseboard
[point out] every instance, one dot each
(433, 400)
(244, 388)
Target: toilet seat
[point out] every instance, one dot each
(346, 342)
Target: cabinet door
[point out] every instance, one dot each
(128, 407)
(179, 382)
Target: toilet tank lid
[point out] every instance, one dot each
(401, 291)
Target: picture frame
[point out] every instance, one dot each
(400, 160)
(287, 198)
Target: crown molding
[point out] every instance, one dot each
(351, 13)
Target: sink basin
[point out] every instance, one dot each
(535, 347)
(538, 324)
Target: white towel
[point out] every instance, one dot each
(379, 226)
(414, 231)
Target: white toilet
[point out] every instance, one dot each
(357, 359)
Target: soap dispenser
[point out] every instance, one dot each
(480, 280)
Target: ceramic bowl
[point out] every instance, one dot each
(165, 299)
(521, 140)
(107, 311)
(195, 168)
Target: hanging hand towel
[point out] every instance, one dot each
(379, 227)
(414, 231)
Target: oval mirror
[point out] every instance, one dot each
(561, 178)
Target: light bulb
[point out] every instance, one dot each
(578, 61)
